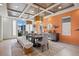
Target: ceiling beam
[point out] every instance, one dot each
(26, 9)
(45, 10)
(18, 11)
(41, 8)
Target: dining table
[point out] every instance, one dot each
(35, 38)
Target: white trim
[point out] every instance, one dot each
(9, 17)
(41, 8)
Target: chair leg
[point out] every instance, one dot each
(42, 48)
(47, 45)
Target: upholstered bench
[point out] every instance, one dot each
(27, 45)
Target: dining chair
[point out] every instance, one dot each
(44, 41)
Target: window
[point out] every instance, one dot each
(66, 25)
(49, 26)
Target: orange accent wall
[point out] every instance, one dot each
(74, 38)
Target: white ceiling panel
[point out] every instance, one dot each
(17, 6)
(32, 10)
(45, 14)
(61, 7)
(25, 16)
(14, 14)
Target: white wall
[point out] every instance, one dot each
(6, 24)
(7, 28)
(3, 12)
(0, 28)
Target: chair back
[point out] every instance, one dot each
(45, 38)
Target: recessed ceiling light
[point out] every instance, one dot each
(59, 7)
(32, 11)
(16, 6)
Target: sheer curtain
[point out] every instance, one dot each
(29, 28)
(14, 28)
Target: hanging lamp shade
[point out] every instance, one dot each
(37, 18)
(29, 22)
